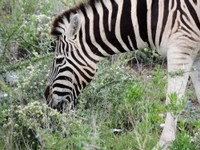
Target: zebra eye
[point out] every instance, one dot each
(59, 60)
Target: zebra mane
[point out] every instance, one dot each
(60, 19)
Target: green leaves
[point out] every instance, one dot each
(133, 92)
(176, 73)
(176, 104)
(24, 31)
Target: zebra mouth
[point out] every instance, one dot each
(54, 104)
(60, 107)
(54, 101)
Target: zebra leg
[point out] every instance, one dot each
(195, 76)
(177, 61)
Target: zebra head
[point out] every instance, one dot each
(69, 73)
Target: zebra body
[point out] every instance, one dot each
(88, 33)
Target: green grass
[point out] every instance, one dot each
(118, 98)
(122, 108)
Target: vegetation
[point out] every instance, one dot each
(122, 108)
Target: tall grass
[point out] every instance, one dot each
(122, 108)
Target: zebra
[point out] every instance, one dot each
(89, 32)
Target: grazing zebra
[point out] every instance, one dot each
(88, 33)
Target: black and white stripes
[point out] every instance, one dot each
(88, 33)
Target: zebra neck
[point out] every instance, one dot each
(113, 26)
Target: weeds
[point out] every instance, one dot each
(122, 108)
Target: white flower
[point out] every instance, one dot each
(162, 125)
(5, 95)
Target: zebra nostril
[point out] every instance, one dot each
(46, 93)
(60, 106)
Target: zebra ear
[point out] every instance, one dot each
(74, 26)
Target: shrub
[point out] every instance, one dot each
(30, 125)
(122, 108)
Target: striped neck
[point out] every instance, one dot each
(110, 27)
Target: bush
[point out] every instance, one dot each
(122, 108)
(31, 124)
(24, 27)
